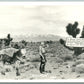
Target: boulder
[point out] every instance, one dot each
(80, 61)
(79, 68)
(81, 56)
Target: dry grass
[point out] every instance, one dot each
(59, 63)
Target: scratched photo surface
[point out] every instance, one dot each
(33, 44)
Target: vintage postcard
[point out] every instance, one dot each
(41, 41)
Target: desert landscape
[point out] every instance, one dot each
(25, 26)
(60, 63)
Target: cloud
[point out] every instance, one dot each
(39, 19)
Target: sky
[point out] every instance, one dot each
(39, 19)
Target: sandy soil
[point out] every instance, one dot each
(56, 69)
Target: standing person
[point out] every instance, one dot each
(42, 53)
(18, 58)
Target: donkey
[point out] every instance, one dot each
(16, 59)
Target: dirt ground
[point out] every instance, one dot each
(56, 71)
(56, 67)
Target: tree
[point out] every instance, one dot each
(82, 34)
(72, 29)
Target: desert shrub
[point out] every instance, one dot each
(67, 57)
(73, 69)
(48, 42)
(35, 60)
(61, 41)
(79, 62)
(24, 42)
(59, 60)
(18, 45)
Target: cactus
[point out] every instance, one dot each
(9, 39)
(72, 29)
(82, 34)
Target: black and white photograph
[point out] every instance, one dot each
(41, 41)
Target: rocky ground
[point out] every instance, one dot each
(60, 64)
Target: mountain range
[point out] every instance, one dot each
(36, 38)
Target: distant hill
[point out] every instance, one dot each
(36, 38)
